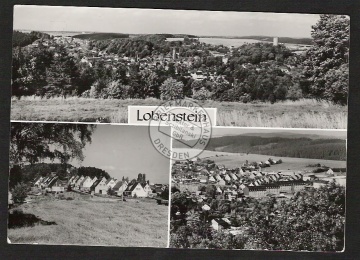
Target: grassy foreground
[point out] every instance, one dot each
(95, 221)
(305, 113)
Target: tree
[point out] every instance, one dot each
(328, 59)
(62, 74)
(165, 194)
(29, 70)
(313, 220)
(32, 142)
(19, 192)
(16, 176)
(171, 89)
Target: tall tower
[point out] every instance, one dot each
(174, 53)
(276, 41)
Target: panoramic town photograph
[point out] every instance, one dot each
(87, 184)
(87, 64)
(262, 189)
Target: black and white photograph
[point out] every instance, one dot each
(87, 184)
(88, 64)
(262, 189)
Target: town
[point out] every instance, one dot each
(227, 199)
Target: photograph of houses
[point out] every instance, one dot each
(263, 189)
(90, 184)
(87, 64)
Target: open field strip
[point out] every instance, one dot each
(305, 113)
(95, 221)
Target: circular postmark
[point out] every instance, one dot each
(180, 129)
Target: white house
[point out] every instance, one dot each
(111, 183)
(100, 186)
(86, 184)
(78, 182)
(330, 171)
(120, 187)
(219, 224)
(147, 188)
(136, 190)
(38, 181)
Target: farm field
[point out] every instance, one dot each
(95, 221)
(233, 160)
(306, 113)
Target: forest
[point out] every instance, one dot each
(253, 72)
(326, 149)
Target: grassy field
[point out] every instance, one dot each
(233, 160)
(95, 221)
(306, 113)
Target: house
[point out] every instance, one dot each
(111, 183)
(255, 191)
(203, 179)
(147, 188)
(71, 179)
(78, 181)
(227, 177)
(136, 190)
(86, 184)
(100, 186)
(38, 181)
(319, 183)
(10, 199)
(45, 184)
(120, 187)
(330, 171)
(205, 207)
(57, 185)
(212, 179)
(219, 224)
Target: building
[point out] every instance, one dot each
(136, 190)
(276, 41)
(100, 186)
(120, 187)
(57, 186)
(219, 224)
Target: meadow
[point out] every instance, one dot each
(233, 160)
(94, 221)
(304, 113)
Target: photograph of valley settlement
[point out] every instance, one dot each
(262, 189)
(87, 64)
(80, 184)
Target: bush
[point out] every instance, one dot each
(19, 192)
(201, 94)
(171, 89)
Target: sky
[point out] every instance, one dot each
(123, 150)
(141, 21)
(226, 131)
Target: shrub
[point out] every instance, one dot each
(171, 89)
(201, 94)
(19, 192)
